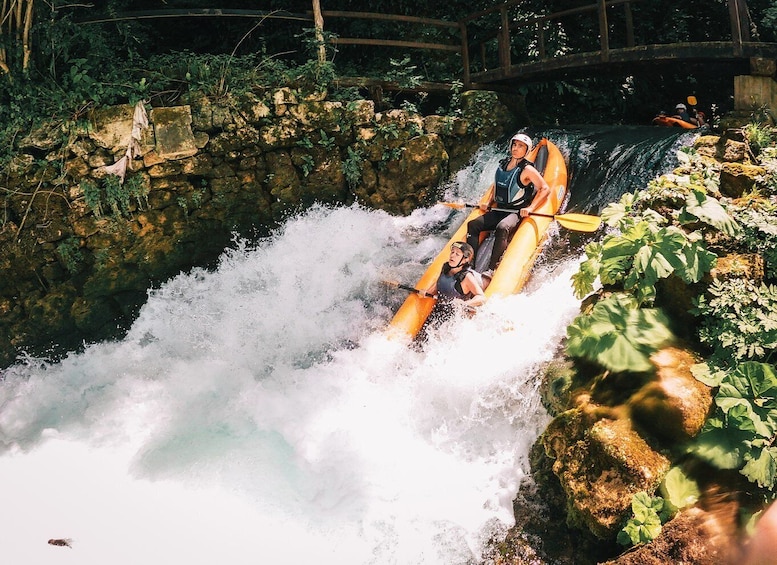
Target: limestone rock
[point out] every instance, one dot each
(173, 131)
(737, 179)
(601, 466)
(675, 405)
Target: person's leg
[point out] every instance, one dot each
(504, 229)
(486, 222)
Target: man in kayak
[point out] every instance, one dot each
(517, 185)
(457, 280)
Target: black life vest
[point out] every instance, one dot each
(509, 190)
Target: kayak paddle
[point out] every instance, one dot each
(409, 288)
(575, 222)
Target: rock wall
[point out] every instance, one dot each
(79, 248)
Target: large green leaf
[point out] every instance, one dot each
(618, 334)
(702, 207)
(679, 490)
(721, 447)
(763, 468)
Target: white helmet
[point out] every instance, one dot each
(680, 107)
(523, 138)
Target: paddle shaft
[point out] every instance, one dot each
(577, 222)
(409, 288)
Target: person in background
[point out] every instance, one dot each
(517, 185)
(457, 280)
(681, 112)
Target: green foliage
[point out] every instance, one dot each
(758, 219)
(739, 321)
(678, 490)
(111, 193)
(648, 515)
(757, 136)
(308, 164)
(352, 166)
(137, 188)
(327, 142)
(618, 335)
(70, 253)
(740, 433)
(647, 250)
(699, 207)
(92, 195)
(403, 73)
(115, 196)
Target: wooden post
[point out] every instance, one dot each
(318, 22)
(604, 34)
(504, 40)
(541, 39)
(740, 32)
(465, 79)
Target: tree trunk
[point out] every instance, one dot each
(27, 51)
(318, 20)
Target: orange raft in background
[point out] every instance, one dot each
(513, 270)
(669, 121)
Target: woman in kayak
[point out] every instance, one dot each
(517, 185)
(457, 280)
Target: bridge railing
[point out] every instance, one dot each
(506, 35)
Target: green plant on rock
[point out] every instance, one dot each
(740, 433)
(92, 196)
(757, 136)
(305, 143)
(70, 253)
(308, 164)
(115, 195)
(646, 249)
(758, 219)
(739, 321)
(649, 513)
(678, 490)
(137, 188)
(327, 142)
(618, 335)
(352, 166)
(390, 130)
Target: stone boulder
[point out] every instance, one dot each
(675, 405)
(601, 464)
(737, 179)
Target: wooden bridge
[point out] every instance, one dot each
(492, 44)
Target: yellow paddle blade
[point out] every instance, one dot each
(579, 222)
(457, 205)
(692, 100)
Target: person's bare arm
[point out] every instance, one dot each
(530, 174)
(471, 285)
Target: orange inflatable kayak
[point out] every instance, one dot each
(669, 121)
(513, 270)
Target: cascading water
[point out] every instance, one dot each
(259, 414)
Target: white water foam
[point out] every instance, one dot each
(259, 414)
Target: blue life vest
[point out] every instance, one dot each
(449, 286)
(509, 191)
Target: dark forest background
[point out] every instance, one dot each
(58, 59)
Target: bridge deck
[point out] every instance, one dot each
(587, 64)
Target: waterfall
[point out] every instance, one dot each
(258, 412)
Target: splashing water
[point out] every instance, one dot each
(259, 414)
